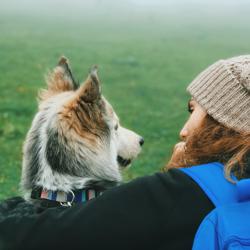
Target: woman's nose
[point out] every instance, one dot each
(183, 134)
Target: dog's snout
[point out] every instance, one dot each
(141, 142)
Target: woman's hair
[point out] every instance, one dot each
(212, 142)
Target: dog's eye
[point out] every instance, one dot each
(116, 126)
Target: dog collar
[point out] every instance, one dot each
(76, 196)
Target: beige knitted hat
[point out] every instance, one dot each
(223, 90)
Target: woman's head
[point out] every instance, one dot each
(223, 90)
(218, 128)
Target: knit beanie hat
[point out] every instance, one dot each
(223, 90)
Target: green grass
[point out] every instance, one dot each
(146, 57)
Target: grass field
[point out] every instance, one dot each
(147, 54)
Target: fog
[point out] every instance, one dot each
(58, 5)
(130, 12)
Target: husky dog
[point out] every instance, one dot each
(75, 140)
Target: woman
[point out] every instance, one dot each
(162, 211)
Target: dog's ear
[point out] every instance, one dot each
(90, 91)
(61, 78)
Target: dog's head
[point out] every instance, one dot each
(76, 136)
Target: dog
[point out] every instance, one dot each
(76, 145)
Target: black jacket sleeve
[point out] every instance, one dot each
(162, 211)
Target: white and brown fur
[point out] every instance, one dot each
(75, 140)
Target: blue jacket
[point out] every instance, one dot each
(228, 225)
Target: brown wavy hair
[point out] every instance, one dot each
(213, 142)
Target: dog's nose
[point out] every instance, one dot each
(141, 141)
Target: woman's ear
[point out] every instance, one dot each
(90, 91)
(61, 78)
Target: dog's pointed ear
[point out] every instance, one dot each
(91, 89)
(63, 63)
(61, 78)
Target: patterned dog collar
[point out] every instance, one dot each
(76, 196)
